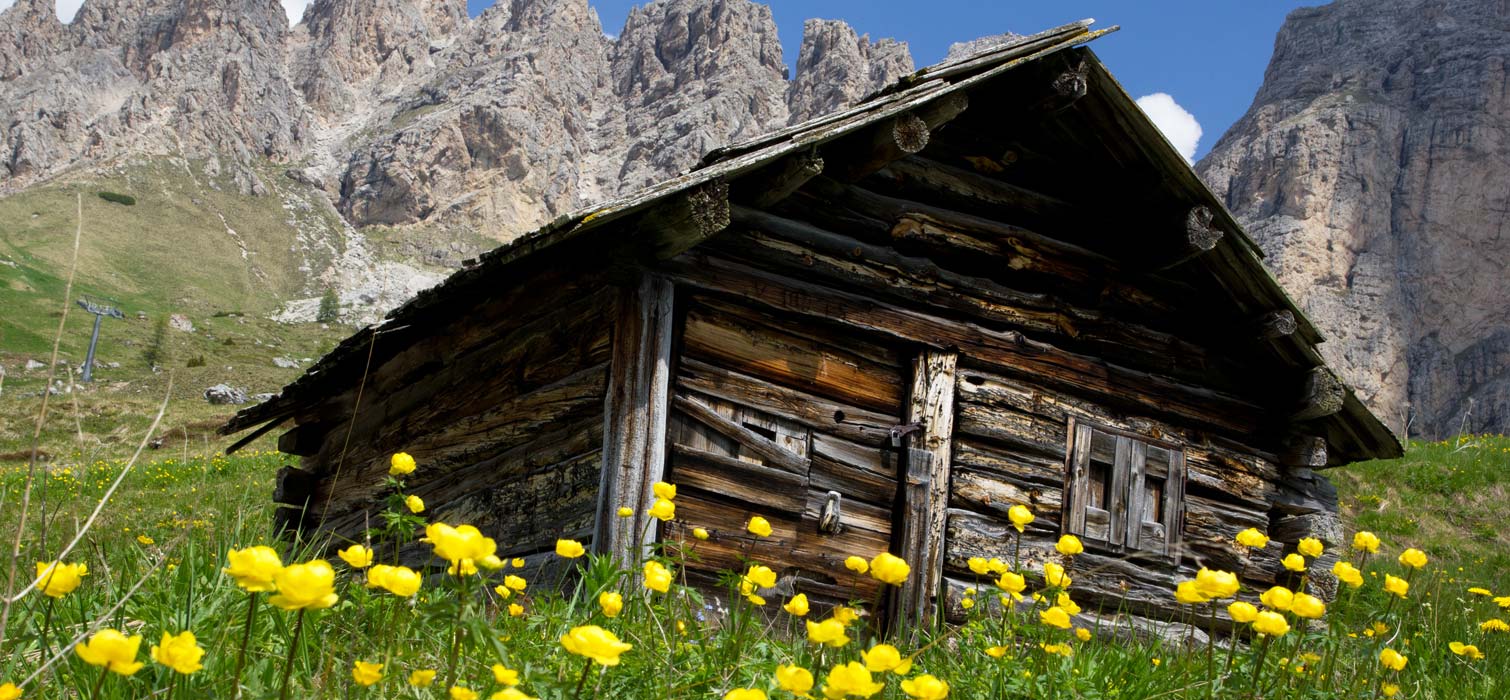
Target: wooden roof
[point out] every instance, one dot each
(1235, 262)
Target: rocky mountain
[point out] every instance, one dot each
(1372, 168)
(407, 112)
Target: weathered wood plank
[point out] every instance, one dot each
(926, 494)
(908, 133)
(772, 453)
(816, 412)
(1321, 395)
(685, 219)
(787, 359)
(751, 483)
(1008, 350)
(635, 416)
(777, 182)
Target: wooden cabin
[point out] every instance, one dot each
(993, 283)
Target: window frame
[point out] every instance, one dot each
(1128, 474)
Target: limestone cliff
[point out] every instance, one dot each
(1372, 168)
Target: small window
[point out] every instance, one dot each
(1123, 492)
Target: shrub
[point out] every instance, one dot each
(118, 198)
(155, 355)
(195, 361)
(330, 306)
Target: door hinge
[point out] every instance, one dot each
(902, 430)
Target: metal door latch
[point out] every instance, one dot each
(829, 520)
(903, 430)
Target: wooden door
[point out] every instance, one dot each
(779, 417)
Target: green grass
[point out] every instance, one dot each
(192, 510)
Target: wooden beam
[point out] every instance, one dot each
(1322, 395)
(774, 183)
(1065, 89)
(635, 417)
(763, 447)
(1304, 451)
(293, 486)
(686, 219)
(926, 485)
(975, 193)
(1200, 236)
(303, 440)
(859, 155)
(1276, 324)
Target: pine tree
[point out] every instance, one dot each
(330, 306)
(156, 353)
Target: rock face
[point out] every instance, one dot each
(407, 112)
(1371, 168)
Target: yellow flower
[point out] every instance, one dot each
(505, 675)
(830, 632)
(9, 691)
(1242, 612)
(422, 678)
(856, 564)
(1020, 516)
(850, 679)
(1277, 598)
(145, 540)
(401, 581)
(517, 562)
(925, 687)
(1307, 606)
(503, 591)
(515, 610)
(595, 643)
(845, 614)
(1392, 659)
(664, 490)
(414, 503)
(977, 565)
(699, 533)
(571, 549)
(458, 692)
(1055, 617)
(516, 583)
(463, 546)
(1348, 574)
(626, 512)
(1480, 591)
(663, 509)
(1310, 546)
(1060, 649)
(400, 464)
(307, 586)
(885, 657)
(760, 527)
(366, 673)
(181, 653)
(611, 603)
(1216, 584)
(1294, 562)
(1068, 605)
(57, 579)
(745, 694)
(510, 694)
(254, 567)
(1189, 593)
(967, 603)
(1366, 541)
(1082, 634)
(1467, 651)
(1054, 576)
(797, 605)
(112, 650)
(1413, 558)
(1389, 689)
(1013, 583)
(657, 578)
(1494, 625)
(1156, 661)
(1252, 538)
(1069, 545)
(794, 679)
(356, 556)
(888, 568)
(757, 576)
(1270, 623)
(996, 652)
(1396, 585)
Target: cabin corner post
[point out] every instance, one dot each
(634, 417)
(926, 484)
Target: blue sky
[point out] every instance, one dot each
(1209, 55)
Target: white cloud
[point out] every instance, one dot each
(295, 10)
(67, 9)
(1178, 125)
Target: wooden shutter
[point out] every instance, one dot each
(1123, 493)
(1156, 499)
(1096, 487)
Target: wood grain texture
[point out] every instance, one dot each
(927, 483)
